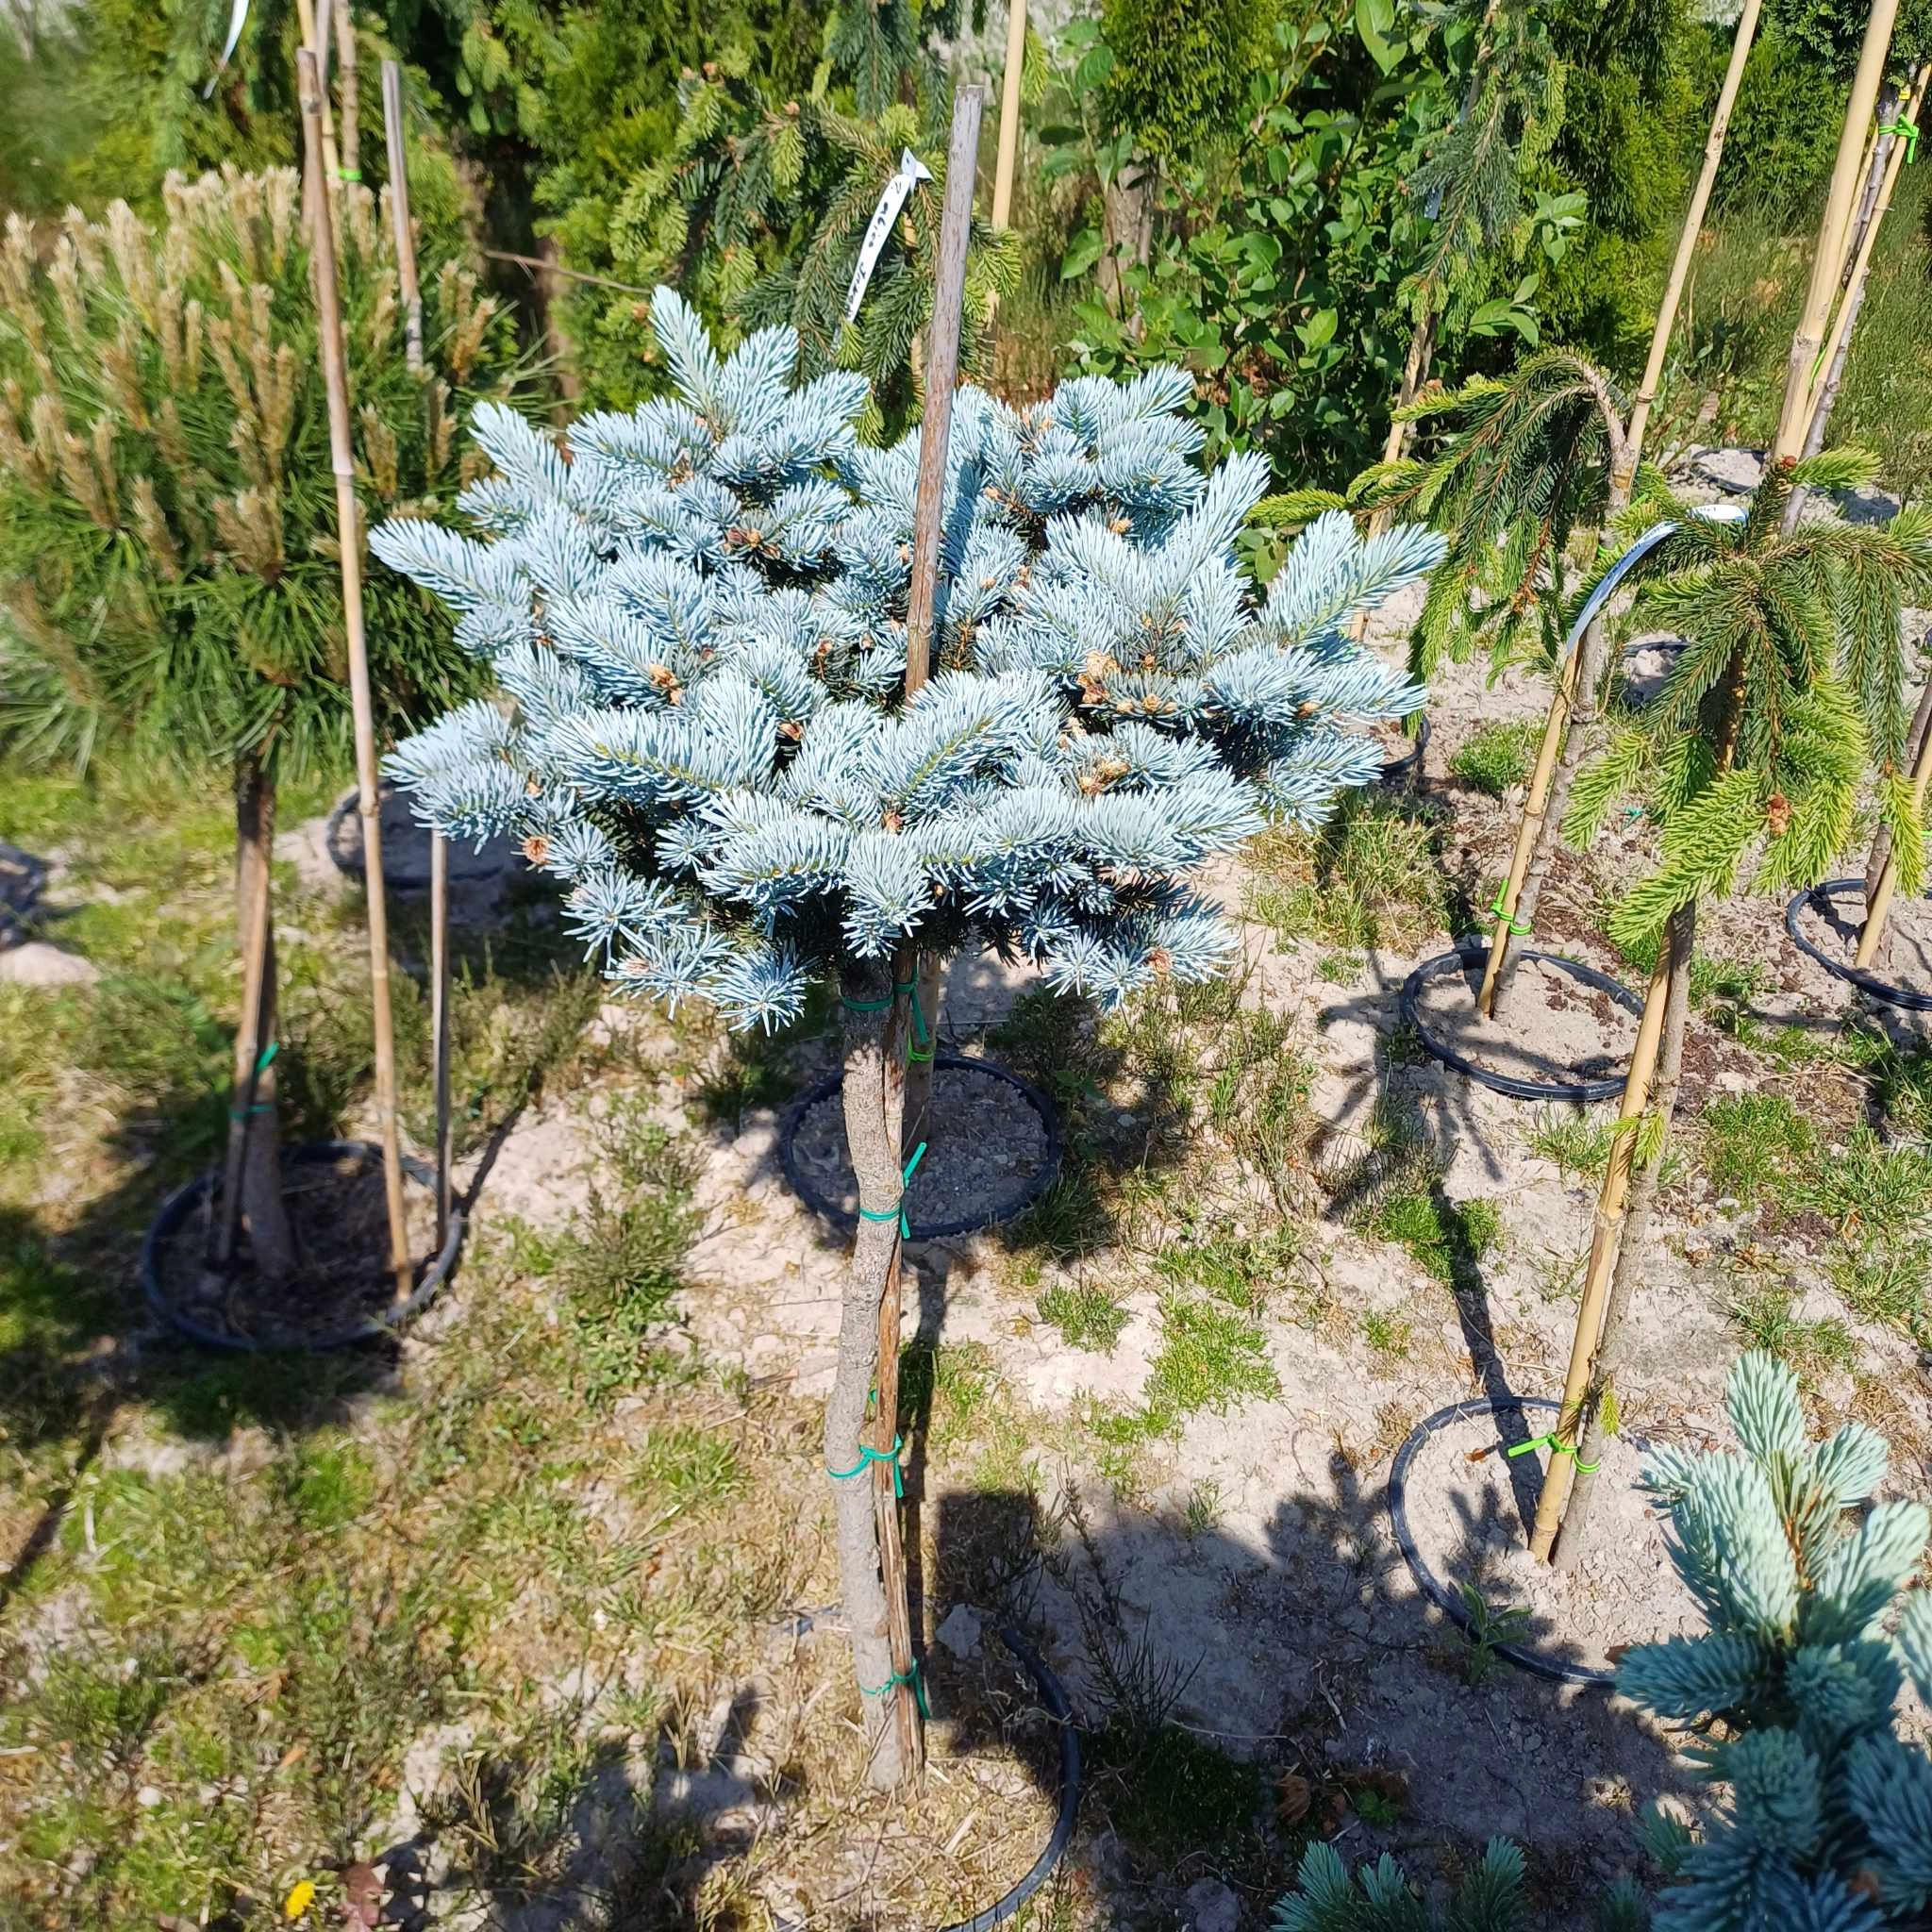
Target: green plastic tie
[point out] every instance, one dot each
(348, 174)
(924, 1050)
(867, 1456)
(908, 1676)
(268, 1052)
(1557, 1447)
(1519, 927)
(898, 1206)
(866, 1005)
(1908, 131)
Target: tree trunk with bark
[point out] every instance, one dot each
(1611, 1351)
(264, 1215)
(874, 1107)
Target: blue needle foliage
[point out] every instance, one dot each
(696, 615)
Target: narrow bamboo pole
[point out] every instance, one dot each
(399, 214)
(1533, 806)
(247, 1067)
(1613, 1342)
(349, 546)
(941, 376)
(1916, 738)
(349, 86)
(1838, 344)
(1624, 476)
(1603, 1256)
(315, 35)
(1007, 159)
(1878, 904)
(439, 1022)
(1828, 260)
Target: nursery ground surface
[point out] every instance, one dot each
(528, 1620)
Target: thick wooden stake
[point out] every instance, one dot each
(247, 1059)
(349, 86)
(1534, 807)
(942, 374)
(1625, 475)
(1828, 258)
(1838, 344)
(399, 215)
(349, 543)
(1603, 1256)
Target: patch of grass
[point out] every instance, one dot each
(1580, 1148)
(1209, 1357)
(949, 1391)
(1385, 1334)
(1498, 757)
(1087, 1315)
(1371, 876)
(1755, 1146)
(1243, 1270)
(621, 1270)
(1738, 981)
(1203, 1511)
(691, 1468)
(1172, 1793)
(325, 1485)
(1447, 1239)
(1765, 1319)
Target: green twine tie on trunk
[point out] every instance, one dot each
(1520, 928)
(1555, 1447)
(241, 1113)
(1906, 131)
(924, 1050)
(867, 1456)
(898, 1206)
(910, 1675)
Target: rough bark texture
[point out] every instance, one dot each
(1591, 654)
(1573, 1539)
(263, 1215)
(872, 1129)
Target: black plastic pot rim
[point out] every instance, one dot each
(182, 1201)
(1043, 1177)
(1466, 952)
(1526, 1659)
(1398, 771)
(1822, 895)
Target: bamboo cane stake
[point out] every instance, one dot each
(399, 215)
(941, 375)
(1603, 1255)
(1533, 806)
(439, 1022)
(248, 1069)
(349, 545)
(1625, 475)
(1008, 157)
(1916, 738)
(349, 86)
(315, 35)
(1878, 904)
(1838, 344)
(1828, 260)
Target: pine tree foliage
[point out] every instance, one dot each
(1520, 463)
(758, 211)
(1826, 1818)
(1794, 659)
(1474, 178)
(167, 510)
(697, 613)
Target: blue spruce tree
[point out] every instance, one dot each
(696, 615)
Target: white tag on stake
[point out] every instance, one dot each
(911, 169)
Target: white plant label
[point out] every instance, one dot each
(911, 169)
